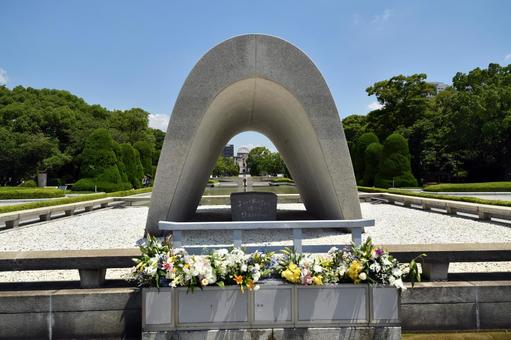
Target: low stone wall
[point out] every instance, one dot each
(115, 312)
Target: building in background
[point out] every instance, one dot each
(439, 86)
(228, 151)
(241, 159)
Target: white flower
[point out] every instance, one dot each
(363, 276)
(204, 282)
(399, 284)
(317, 268)
(397, 272)
(375, 267)
(256, 287)
(243, 267)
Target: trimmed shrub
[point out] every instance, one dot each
(90, 184)
(372, 158)
(28, 184)
(67, 200)
(146, 151)
(7, 193)
(99, 162)
(359, 153)
(394, 168)
(282, 180)
(134, 170)
(474, 187)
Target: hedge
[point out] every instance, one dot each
(282, 180)
(470, 187)
(437, 196)
(28, 184)
(68, 200)
(7, 193)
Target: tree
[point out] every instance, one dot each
(225, 167)
(257, 160)
(100, 165)
(405, 100)
(394, 169)
(354, 126)
(359, 153)
(146, 151)
(131, 159)
(372, 157)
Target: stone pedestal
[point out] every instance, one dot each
(253, 206)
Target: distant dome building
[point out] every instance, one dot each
(241, 159)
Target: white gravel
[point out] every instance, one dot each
(122, 227)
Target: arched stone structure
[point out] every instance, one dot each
(261, 83)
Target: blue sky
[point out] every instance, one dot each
(123, 54)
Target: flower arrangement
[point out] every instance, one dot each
(161, 265)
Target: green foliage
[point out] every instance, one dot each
(359, 153)
(134, 170)
(282, 180)
(28, 184)
(394, 169)
(7, 193)
(437, 196)
(225, 167)
(67, 200)
(372, 157)
(146, 151)
(262, 161)
(100, 166)
(470, 187)
(462, 134)
(90, 184)
(46, 130)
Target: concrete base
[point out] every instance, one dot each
(45, 217)
(435, 271)
(92, 278)
(69, 212)
(340, 333)
(12, 224)
(89, 208)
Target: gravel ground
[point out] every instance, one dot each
(122, 227)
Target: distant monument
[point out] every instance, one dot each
(265, 84)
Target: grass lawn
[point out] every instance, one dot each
(500, 335)
(470, 187)
(438, 196)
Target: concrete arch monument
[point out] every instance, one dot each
(261, 83)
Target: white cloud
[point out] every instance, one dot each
(158, 121)
(3, 77)
(508, 57)
(374, 106)
(382, 18)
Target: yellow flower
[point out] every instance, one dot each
(354, 271)
(317, 280)
(292, 273)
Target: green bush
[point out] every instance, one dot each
(475, 187)
(90, 184)
(146, 151)
(7, 193)
(394, 169)
(67, 200)
(101, 164)
(437, 196)
(359, 153)
(282, 180)
(134, 170)
(372, 158)
(28, 184)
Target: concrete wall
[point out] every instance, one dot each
(115, 312)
